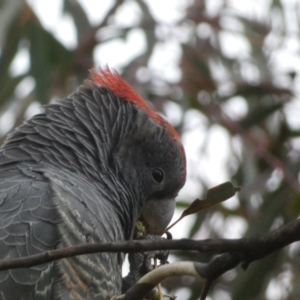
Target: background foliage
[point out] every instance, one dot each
(234, 95)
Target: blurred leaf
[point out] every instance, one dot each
(182, 204)
(74, 8)
(8, 53)
(8, 86)
(259, 114)
(47, 55)
(261, 90)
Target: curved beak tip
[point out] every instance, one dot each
(157, 214)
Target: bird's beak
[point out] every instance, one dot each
(157, 214)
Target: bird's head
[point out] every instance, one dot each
(149, 156)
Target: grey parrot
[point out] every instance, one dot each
(84, 171)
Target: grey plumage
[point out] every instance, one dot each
(63, 181)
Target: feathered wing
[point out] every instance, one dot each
(28, 219)
(87, 216)
(43, 210)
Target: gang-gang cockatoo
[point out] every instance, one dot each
(84, 171)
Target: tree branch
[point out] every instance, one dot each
(253, 248)
(245, 251)
(235, 251)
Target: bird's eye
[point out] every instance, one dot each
(158, 175)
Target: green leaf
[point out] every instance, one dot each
(48, 57)
(214, 196)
